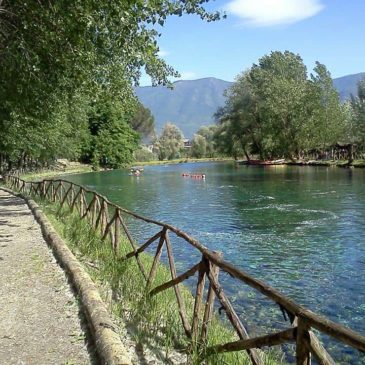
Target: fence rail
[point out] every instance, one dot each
(108, 218)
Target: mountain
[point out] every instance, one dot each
(347, 85)
(192, 103)
(189, 104)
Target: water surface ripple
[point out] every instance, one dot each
(300, 229)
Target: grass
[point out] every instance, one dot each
(155, 320)
(359, 163)
(73, 169)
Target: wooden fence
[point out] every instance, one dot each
(109, 219)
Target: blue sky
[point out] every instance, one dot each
(330, 31)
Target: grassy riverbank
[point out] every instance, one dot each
(78, 168)
(183, 160)
(154, 321)
(72, 168)
(337, 163)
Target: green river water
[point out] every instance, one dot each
(300, 229)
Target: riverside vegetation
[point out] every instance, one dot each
(155, 321)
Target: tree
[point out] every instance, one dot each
(329, 113)
(208, 132)
(279, 82)
(358, 115)
(170, 144)
(113, 138)
(114, 145)
(273, 110)
(143, 121)
(198, 146)
(53, 51)
(240, 120)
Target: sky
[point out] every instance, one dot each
(328, 31)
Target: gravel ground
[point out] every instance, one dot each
(40, 320)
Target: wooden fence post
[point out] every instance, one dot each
(302, 352)
(198, 300)
(81, 202)
(156, 260)
(180, 301)
(117, 231)
(209, 306)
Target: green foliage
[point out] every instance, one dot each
(115, 144)
(204, 143)
(274, 110)
(143, 122)
(52, 53)
(144, 155)
(198, 146)
(208, 132)
(330, 115)
(113, 138)
(358, 116)
(170, 144)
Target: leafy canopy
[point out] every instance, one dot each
(54, 53)
(274, 110)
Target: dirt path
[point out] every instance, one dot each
(39, 316)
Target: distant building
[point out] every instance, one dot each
(187, 143)
(150, 147)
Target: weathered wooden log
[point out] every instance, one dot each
(117, 232)
(56, 190)
(208, 313)
(107, 228)
(198, 300)
(89, 207)
(81, 202)
(100, 215)
(180, 301)
(96, 211)
(233, 318)
(153, 271)
(74, 197)
(65, 197)
(302, 352)
(86, 206)
(52, 199)
(176, 281)
(144, 246)
(43, 189)
(62, 192)
(130, 239)
(335, 330)
(318, 351)
(77, 201)
(104, 216)
(269, 340)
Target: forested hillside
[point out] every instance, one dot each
(188, 105)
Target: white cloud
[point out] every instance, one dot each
(263, 13)
(163, 53)
(187, 75)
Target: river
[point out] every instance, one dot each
(300, 229)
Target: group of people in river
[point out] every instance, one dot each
(136, 171)
(194, 176)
